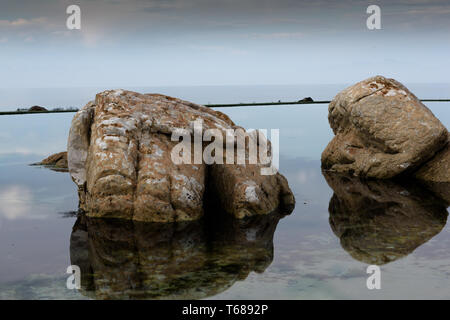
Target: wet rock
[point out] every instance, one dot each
(380, 221)
(186, 260)
(381, 131)
(119, 154)
(57, 162)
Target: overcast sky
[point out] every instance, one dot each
(234, 42)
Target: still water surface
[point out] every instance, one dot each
(321, 250)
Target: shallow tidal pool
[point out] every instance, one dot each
(321, 250)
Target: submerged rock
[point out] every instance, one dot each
(381, 131)
(119, 154)
(186, 260)
(380, 221)
(57, 162)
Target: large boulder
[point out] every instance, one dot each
(119, 154)
(381, 131)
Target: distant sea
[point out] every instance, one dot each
(304, 129)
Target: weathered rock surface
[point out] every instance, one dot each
(244, 191)
(57, 161)
(379, 221)
(119, 154)
(382, 130)
(185, 260)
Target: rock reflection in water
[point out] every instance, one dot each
(379, 221)
(190, 260)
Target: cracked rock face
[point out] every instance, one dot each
(381, 130)
(119, 155)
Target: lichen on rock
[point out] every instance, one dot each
(119, 154)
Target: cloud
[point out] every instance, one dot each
(20, 22)
(25, 30)
(306, 176)
(16, 150)
(15, 202)
(18, 202)
(279, 35)
(152, 6)
(429, 11)
(221, 49)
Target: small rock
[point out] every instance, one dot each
(307, 99)
(56, 161)
(37, 109)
